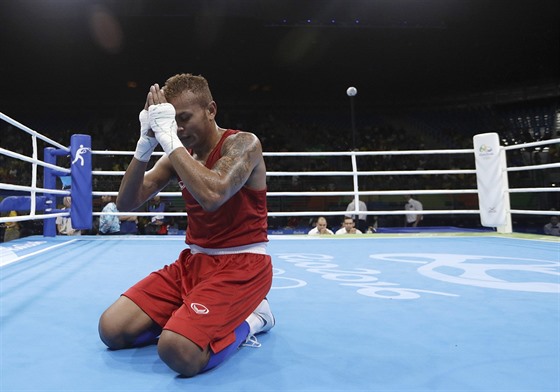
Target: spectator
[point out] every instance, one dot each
(12, 231)
(552, 227)
(320, 227)
(129, 224)
(109, 224)
(157, 223)
(361, 221)
(64, 223)
(412, 220)
(348, 227)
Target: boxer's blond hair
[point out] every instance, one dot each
(198, 85)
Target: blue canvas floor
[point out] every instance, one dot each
(477, 312)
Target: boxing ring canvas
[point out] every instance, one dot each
(461, 312)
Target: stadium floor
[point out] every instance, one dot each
(402, 312)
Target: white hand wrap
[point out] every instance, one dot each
(146, 144)
(162, 122)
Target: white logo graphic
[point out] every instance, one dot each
(79, 152)
(199, 308)
(494, 272)
(366, 280)
(288, 283)
(16, 252)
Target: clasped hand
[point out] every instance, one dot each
(161, 116)
(160, 113)
(157, 125)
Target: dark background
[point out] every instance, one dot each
(91, 56)
(429, 73)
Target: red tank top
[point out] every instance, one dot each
(242, 220)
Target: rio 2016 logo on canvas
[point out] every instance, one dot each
(491, 272)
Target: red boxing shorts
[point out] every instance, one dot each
(204, 298)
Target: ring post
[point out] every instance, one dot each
(492, 185)
(353, 120)
(81, 192)
(49, 182)
(507, 228)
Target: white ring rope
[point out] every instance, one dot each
(114, 152)
(32, 132)
(34, 163)
(107, 173)
(531, 144)
(355, 173)
(334, 173)
(376, 193)
(533, 167)
(138, 213)
(536, 212)
(371, 173)
(21, 218)
(23, 188)
(33, 196)
(367, 153)
(534, 190)
(308, 213)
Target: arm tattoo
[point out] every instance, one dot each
(238, 159)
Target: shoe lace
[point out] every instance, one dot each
(251, 342)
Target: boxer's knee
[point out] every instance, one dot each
(181, 354)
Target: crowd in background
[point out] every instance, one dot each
(318, 130)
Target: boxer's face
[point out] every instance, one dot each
(194, 122)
